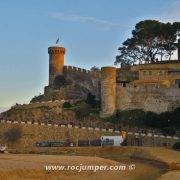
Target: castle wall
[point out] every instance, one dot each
(108, 91)
(153, 98)
(125, 75)
(88, 79)
(157, 66)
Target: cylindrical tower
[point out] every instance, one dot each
(108, 91)
(56, 62)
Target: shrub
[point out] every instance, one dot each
(91, 100)
(151, 120)
(167, 122)
(168, 131)
(176, 146)
(13, 134)
(83, 111)
(133, 117)
(67, 105)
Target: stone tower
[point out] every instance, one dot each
(108, 91)
(56, 62)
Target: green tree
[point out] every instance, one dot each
(94, 68)
(67, 105)
(151, 41)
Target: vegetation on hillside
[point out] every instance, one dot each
(13, 135)
(176, 146)
(151, 41)
(167, 122)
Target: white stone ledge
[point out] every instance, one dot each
(49, 124)
(29, 122)
(110, 130)
(8, 122)
(76, 127)
(83, 128)
(55, 125)
(15, 122)
(155, 135)
(90, 128)
(168, 137)
(104, 130)
(117, 131)
(175, 137)
(62, 125)
(130, 133)
(96, 129)
(69, 126)
(42, 124)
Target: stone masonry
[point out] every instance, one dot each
(152, 87)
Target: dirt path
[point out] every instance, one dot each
(16, 166)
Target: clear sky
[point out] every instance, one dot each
(90, 30)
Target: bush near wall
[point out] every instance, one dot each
(176, 146)
(167, 122)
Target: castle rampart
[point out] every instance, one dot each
(70, 69)
(152, 87)
(108, 91)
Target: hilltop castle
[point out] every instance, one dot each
(152, 87)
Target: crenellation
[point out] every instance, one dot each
(152, 87)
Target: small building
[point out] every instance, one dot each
(111, 140)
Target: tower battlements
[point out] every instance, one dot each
(56, 50)
(56, 62)
(82, 71)
(156, 84)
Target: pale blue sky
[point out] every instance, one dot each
(90, 30)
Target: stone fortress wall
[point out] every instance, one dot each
(152, 87)
(73, 69)
(37, 131)
(150, 98)
(155, 89)
(86, 78)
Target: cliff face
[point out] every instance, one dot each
(89, 80)
(53, 112)
(72, 90)
(150, 98)
(40, 112)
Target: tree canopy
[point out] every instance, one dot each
(95, 69)
(151, 41)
